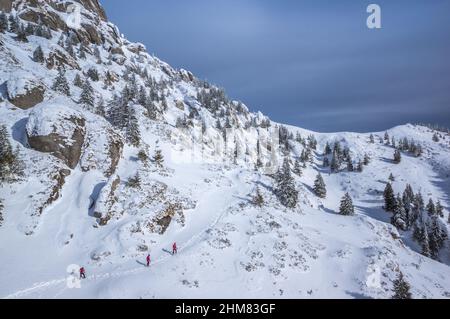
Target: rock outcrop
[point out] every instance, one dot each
(59, 130)
(24, 92)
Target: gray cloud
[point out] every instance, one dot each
(308, 63)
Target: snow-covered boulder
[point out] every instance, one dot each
(57, 129)
(24, 91)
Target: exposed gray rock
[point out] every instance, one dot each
(57, 130)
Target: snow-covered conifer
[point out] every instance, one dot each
(60, 84)
(397, 157)
(87, 94)
(38, 55)
(285, 188)
(401, 288)
(258, 199)
(346, 208)
(389, 198)
(320, 187)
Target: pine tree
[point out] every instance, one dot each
(285, 188)
(297, 168)
(350, 167)
(347, 208)
(327, 150)
(389, 198)
(87, 94)
(425, 243)
(435, 239)
(21, 34)
(360, 166)
(13, 24)
(60, 84)
(158, 158)
(401, 288)
(399, 219)
(320, 187)
(391, 178)
(258, 199)
(132, 132)
(77, 81)
(38, 55)
(439, 209)
(372, 139)
(431, 209)
(366, 159)
(326, 162)
(142, 98)
(134, 182)
(3, 22)
(335, 162)
(386, 137)
(11, 164)
(397, 157)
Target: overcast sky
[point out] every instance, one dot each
(310, 63)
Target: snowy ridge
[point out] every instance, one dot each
(161, 157)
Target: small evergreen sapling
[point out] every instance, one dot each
(401, 288)
(258, 199)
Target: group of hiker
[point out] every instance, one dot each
(174, 251)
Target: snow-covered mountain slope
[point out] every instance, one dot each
(123, 155)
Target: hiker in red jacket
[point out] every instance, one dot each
(82, 273)
(148, 260)
(174, 249)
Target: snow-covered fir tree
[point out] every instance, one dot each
(320, 187)
(439, 209)
(335, 162)
(258, 199)
(77, 81)
(399, 219)
(3, 22)
(38, 55)
(134, 182)
(158, 158)
(13, 24)
(285, 188)
(366, 159)
(397, 157)
(11, 164)
(60, 84)
(391, 178)
(132, 132)
(431, 208)
(297, 168)
(401, 288)
(389, 198)
(346, 208)
(87, 97)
